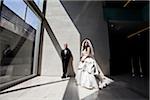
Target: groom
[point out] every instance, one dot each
(65, 56)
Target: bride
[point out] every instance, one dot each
(89, 74)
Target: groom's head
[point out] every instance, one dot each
(65, 45)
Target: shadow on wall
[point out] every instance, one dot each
(70, 70)
(52, 37)
(89, 20)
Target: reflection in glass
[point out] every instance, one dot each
(17, 40)
(17, 6)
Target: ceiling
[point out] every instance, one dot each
(125, 26)
(132, 4)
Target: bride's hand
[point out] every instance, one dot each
(82, 60)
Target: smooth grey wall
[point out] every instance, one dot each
(88, 18)
(64, 32)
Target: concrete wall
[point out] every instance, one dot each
(65, 32)
(88, 18)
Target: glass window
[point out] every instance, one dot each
(32, 19)
(39, 3)
(16, 51)
(17, 43)
(17, 6)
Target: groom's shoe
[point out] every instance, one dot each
(68, 75)
(63, 76)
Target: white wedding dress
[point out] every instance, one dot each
(90, 76)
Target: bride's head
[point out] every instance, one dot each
(87, 43)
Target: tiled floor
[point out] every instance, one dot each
(54, 88)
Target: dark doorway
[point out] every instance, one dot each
(126, 52)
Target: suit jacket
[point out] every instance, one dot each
(67, 55)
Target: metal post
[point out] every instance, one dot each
(141, 71)
(132, 67)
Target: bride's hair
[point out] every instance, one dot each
(85, 46)
(89, 45)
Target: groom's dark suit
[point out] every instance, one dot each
(65, 55)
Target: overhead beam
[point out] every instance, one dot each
(142, 30)
(127, 3)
